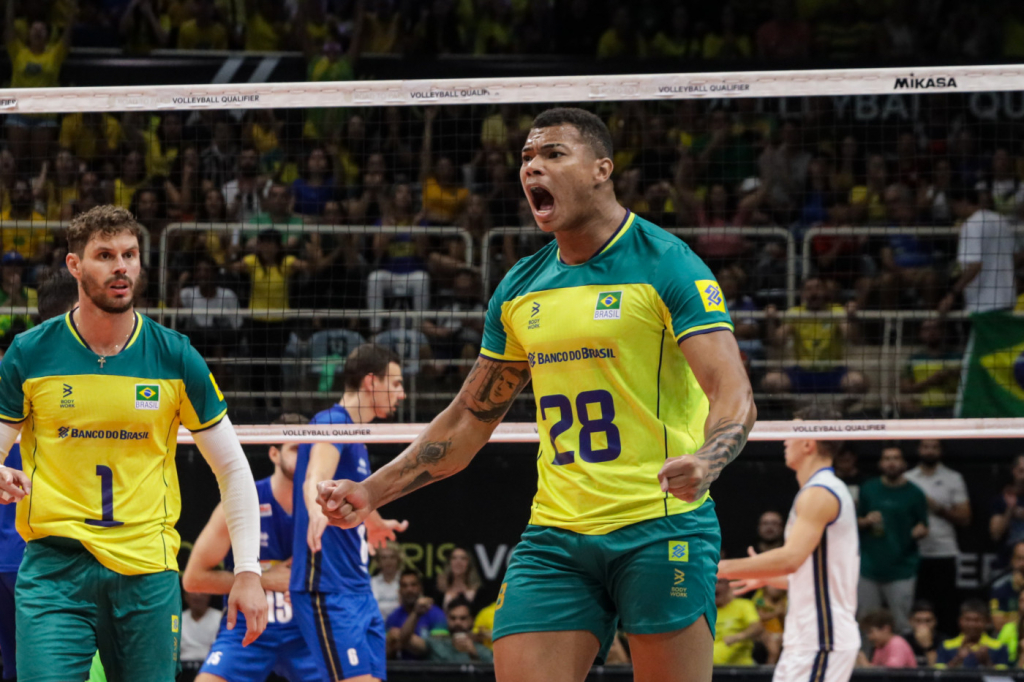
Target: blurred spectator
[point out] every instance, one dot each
(92, 27)
(890, 650)
(401, 257)
(31, 243)
(747, 329)
(444, 198)
(214, 210)
(846, 33)
(149, 206)
(390, 561)
(35, 63)
(967, 164)
(142, 29)
(451, 337)
(1005, 591)
(263, 129)
(415, 619)
(13, 292)
(1006, 523)
(892, 514)
(621, 39)
(722, 155)
(848, 471)
(899, 30)
(199, 626)
(88, 194)
(848, 166)
(680, 39)
(483, 625)
(163, 144)
(1009, 636)
(382, 26)
(213, 335)
(933, 195)
(56, 192)
(131, 178)
(460, 578)
(949, 508)
(906, 260)
(838, 254)
(738, 627)
(923, 636)
(972, 649)
(277, 208)
(457, 645)
(784, 36)
(770, 529)
(819, 344)
(493, 29)
(868, 200)
(1005, 193)
(203, 31)
(931, 375)
(784, 166)
(316, 186)
(725, 42)
(91, 136)
(244, 194)
(771, 603)
(266, 27)
(217, 161)
(724, 251)
(182, 187)
(985, 253)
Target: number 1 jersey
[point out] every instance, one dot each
(615, 396)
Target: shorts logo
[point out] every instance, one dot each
(677, 591)
(678, 550)
(711, 295)
(609, 306)
(147, 397)
(680, 577)
(174, 624)
(501, 597)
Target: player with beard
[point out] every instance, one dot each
(98, 395)
(281, 648)
(330, 582)
(642, 400)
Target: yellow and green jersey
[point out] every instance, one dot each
(98, 437)
(615, 396)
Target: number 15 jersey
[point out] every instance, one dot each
(615, 396)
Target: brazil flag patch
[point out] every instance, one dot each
(147, 397)
(609, 305)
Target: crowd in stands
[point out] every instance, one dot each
(289, 183)
(778, 30)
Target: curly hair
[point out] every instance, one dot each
(107, 219)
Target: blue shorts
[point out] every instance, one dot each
(7, 581)
(807, 381)
(345, 632)
(281, 649)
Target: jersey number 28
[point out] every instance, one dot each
(589, 426)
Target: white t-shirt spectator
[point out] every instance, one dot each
(386, 593)
(224, 299)
(197, 636)
(250, 202)
(987, 238)
(946, 487)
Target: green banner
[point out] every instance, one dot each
(995, 369)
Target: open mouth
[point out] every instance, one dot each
(543, 201)
(122, 288)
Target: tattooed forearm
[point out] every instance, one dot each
(723, 444)
(430, 453)
(491, 387)
(418, 482)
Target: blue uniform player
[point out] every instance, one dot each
(330, 583)
(281, 648)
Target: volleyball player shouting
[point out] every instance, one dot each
(642, 400)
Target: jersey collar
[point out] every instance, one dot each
(70, 321)
(627, 222)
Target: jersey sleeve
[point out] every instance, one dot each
(13, 406)
(499, 342)
(693, 300)
(203, 404)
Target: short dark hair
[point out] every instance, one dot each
(57, 294)
(291, 419)
(107, 219)
(368, 358)
(922, 606)
(878, 618)
(824, 413)
(414, 573)
(961, 191)
(974, 606)
(457, 602)
(590, 127)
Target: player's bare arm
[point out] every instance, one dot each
(715, 361)
(445, 447)
(14, 484)
(815, 509)
(203, 573)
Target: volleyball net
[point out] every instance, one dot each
(287, 224)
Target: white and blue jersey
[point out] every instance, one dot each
(342, 565)
(281, 648)
(330, 589)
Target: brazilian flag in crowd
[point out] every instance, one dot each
(995, 374)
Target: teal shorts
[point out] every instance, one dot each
(654, 576)
(68, 605)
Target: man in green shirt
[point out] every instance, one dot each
(458, 645)
(892, 514)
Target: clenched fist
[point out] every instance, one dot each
(14, 485)
(683, 477)
(344, 503)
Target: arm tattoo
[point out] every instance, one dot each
(430, 453)
(723, 444)
(499, 384)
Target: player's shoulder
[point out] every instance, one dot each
(520, 277)
(158, 332)
(335, 414)
(43, 333)
(672, 258)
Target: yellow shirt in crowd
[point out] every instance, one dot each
(734, 618)
(269, 286)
